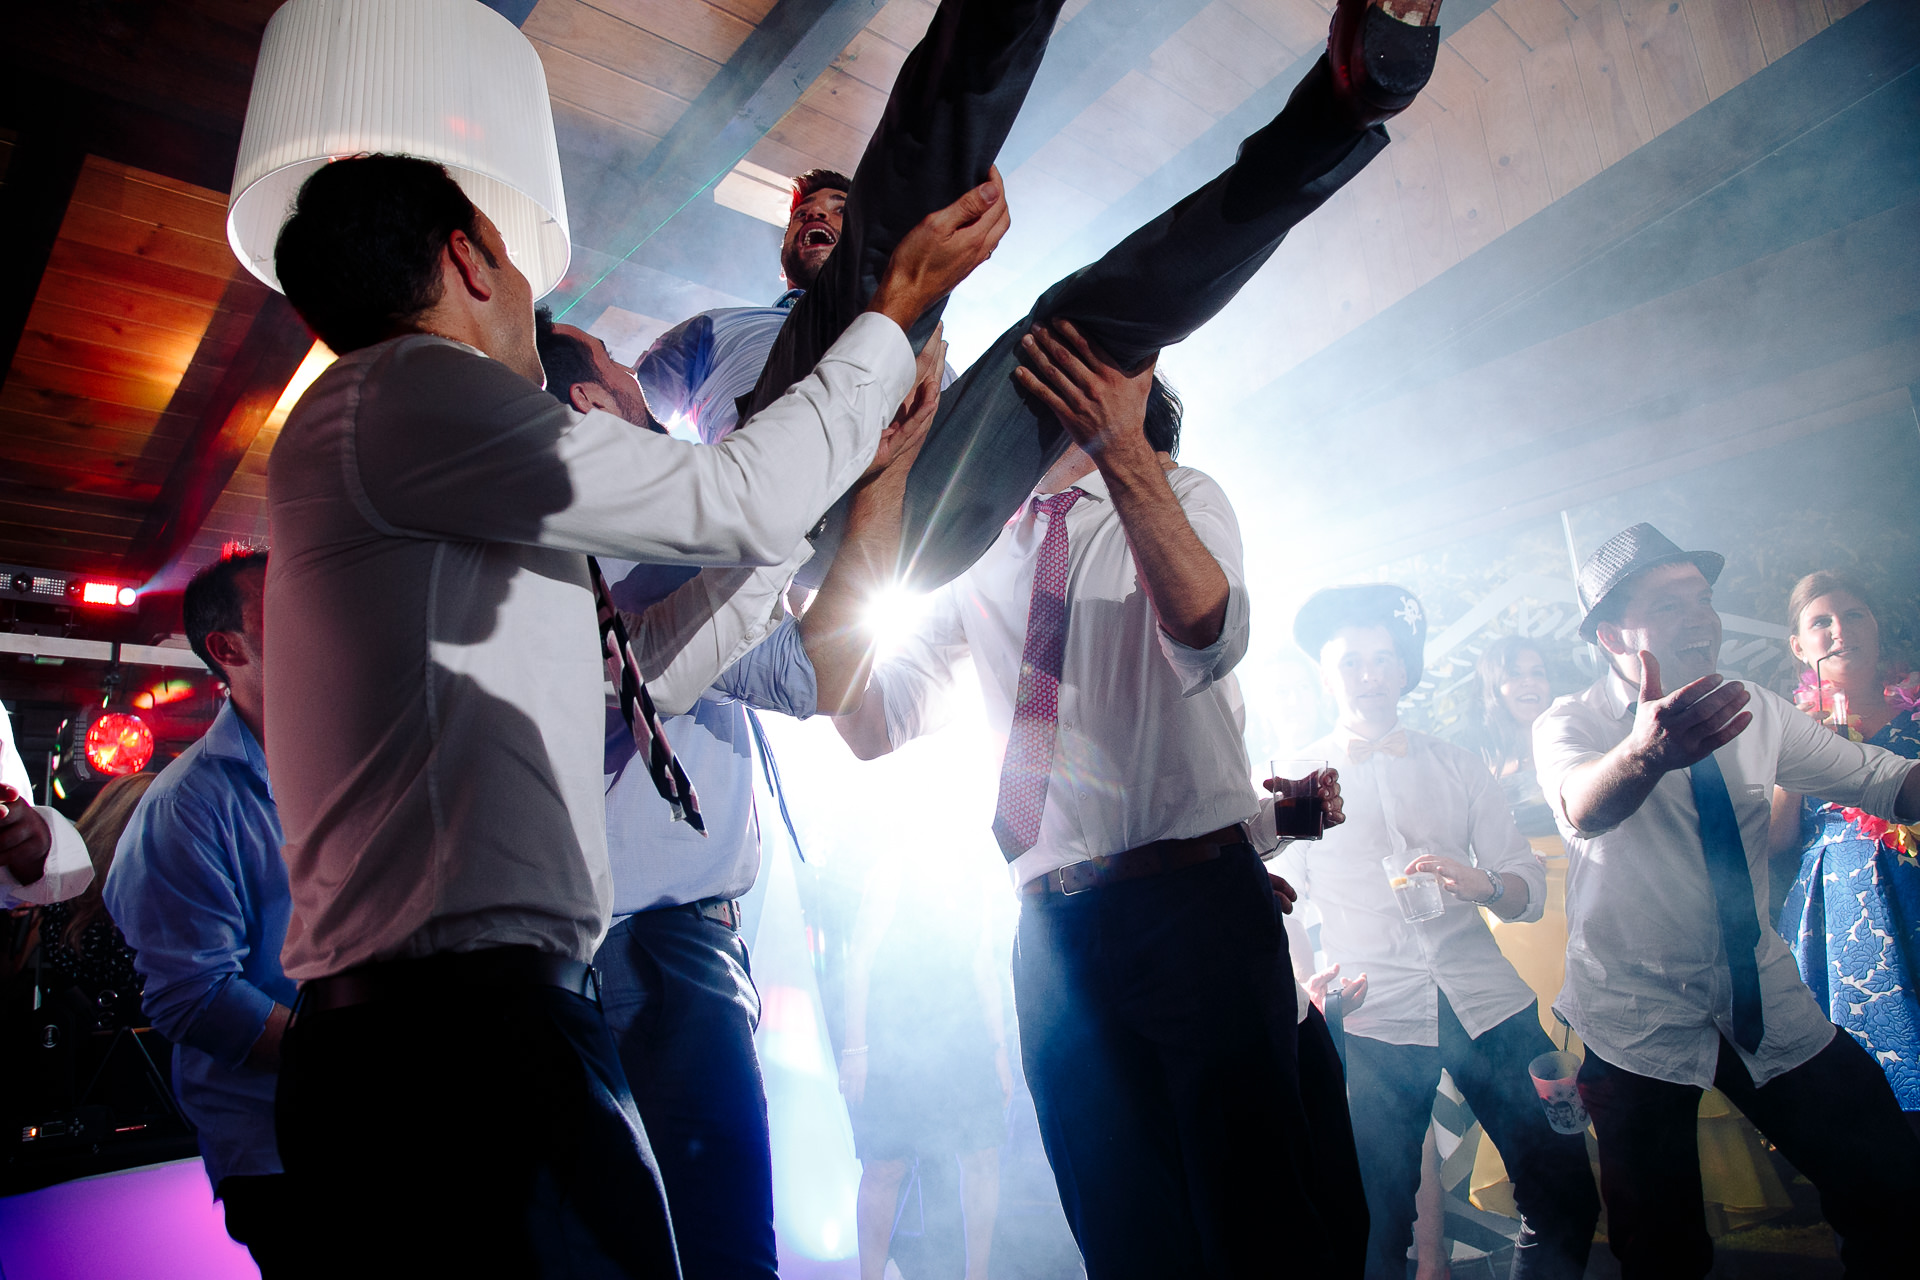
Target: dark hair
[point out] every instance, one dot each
(100, 828)
(360, 256)
(566, 359)
(212, 600)
(1495, 667)
(817, 180)
(1824, 582)
(1164, 412)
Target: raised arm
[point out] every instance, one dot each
(1104, 409)
(1670, 731)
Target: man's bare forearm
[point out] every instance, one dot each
(1601, 794)
(1183, 580)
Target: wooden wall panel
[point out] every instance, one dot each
(1467, 167)
(1610, 80)
(1567, 144)
(1663, 53)
(1725, 40)
(704, 28)
(1785, 25)
(1426, 219)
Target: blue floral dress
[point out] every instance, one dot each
(1853, 919)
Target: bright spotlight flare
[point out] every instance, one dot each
(892, 614)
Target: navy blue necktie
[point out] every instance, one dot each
(1733, 891)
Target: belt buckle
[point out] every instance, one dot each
(1062, 873)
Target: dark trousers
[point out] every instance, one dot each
(486, 1131)
(265, 1215)
(989, 444)
(952, 104)
(681, 1005)
(1833, 1116)
(1391, 1088)
(1157, 1026)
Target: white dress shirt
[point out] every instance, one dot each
(1440, 798)
(1149, 743)
(68, 868)
(435, 707)
(1647, 982)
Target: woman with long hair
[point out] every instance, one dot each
(80, 941)
(1852, 915)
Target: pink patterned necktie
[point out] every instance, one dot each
(1036, 703)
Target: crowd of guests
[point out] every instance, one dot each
(458, 986)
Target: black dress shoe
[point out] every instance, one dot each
(1379, 62)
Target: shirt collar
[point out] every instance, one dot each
(1614, 697)
(786, 300)
(1093, 484)
(228, 738)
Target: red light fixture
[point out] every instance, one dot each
(99, 593)
(118, 743)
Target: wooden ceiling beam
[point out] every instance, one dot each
(787, 52)
(275, 343)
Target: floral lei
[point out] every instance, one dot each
(1904, 696)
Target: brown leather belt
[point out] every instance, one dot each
(1153, 859)
(430, 977)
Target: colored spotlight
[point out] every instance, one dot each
(119, 742)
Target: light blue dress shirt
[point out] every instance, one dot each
(698, 368)
(656, 861)
(199, 891)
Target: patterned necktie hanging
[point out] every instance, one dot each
(636, 707)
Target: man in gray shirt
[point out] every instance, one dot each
(448, 1087)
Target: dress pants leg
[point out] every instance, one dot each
(681, 1006)
(988, 445)
(1836, 1119)
(265, 1215)
(950, 109)
(1552, 1182)
(1339, 1191)
(1648, 1132)
(1157, 1027)
(487, 1132)
(1390, 1090)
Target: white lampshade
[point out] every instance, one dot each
(445, 80)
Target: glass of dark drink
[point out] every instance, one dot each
(1298, 811)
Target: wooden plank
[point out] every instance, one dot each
(1565, 129)
(1376, 208)
(809, 132)
(1472, 195)
(23, 542)
(1454, 82)
(704, 28)
(163, 365)
(634, 103)
(1725, 40)
(116, 303)
(1132, 145)
(1664, 56)
(1425, 216)
(1538, 23)
(1513, 144)
(1785, 25)
(1183, 68)
(854, 103)
(1838, 9)
(873, 60)
(1228, 37)
(1094, 172)
(53, 319)
(1299, 25)
(620, 46)
(87, 225)
(195, 212)
(903, 21)
(1610, 81)
(751, 11)
(1157, 108)
(60, 381)
(1488, 44)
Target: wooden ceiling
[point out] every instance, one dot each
(135, 417)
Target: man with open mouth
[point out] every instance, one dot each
(1661, 777)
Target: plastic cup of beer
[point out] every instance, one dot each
(1418, 893)
(1555, 1079)
(1298, 811)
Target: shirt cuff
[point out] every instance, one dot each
(1199, 668)
(68, 872)
(232, 1022)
